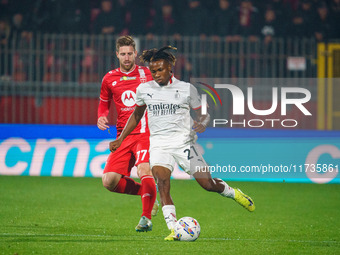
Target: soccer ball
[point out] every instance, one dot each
(187, 229)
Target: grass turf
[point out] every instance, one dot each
(59, 215)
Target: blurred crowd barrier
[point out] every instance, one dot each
(56, 79)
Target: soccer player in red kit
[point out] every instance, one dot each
(120, 85)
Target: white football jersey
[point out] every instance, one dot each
(168, 110)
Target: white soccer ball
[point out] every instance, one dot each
(187, 229)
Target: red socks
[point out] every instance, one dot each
(127, 185)
(148, 194)
(146, 189)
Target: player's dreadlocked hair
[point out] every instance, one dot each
(154, 54)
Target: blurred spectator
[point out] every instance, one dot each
(43, 16)
(270, 27)
(323, 25)
(138, 14)
(4, 32)
(19, 29)
(5, 11)
(76, 17)
(9, 7)
(54, 65)
(196, 20)
(335, 7)
(4, 56)
(282, 9)
(165, 22)
(278, 6)
(335, 14)
(19, 73)
(18, 36)
(89, 64)
(17, 23)
(306, 7)
(180, 9)
(122, 6)
(223, 18)
(292, 4)
(183, 68)
(245, 20)
(166, 17)
(298, 28)
(210, 6)
(108, 21)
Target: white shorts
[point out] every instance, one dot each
(187, 157)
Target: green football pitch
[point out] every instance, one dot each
(59, 215)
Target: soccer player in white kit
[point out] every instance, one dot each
(172, 133)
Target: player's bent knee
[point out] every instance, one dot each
(108, 185)
(143, 169)
(110, 181)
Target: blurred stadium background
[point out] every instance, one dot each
(53, 54)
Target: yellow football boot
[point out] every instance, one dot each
(171, 237)
(244, 200)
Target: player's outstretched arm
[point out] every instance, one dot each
(132, 123)
(201, 122)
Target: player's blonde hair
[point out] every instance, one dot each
(154, 54)
(125, 40)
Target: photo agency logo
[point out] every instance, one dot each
(278, 106)
(204, 97)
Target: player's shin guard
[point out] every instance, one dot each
(148, 194)
(128, 186)
(169, 212)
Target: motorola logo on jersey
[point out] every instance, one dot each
(128, 98)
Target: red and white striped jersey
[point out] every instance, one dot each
(121, 87)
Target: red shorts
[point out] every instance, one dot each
(133, 151)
